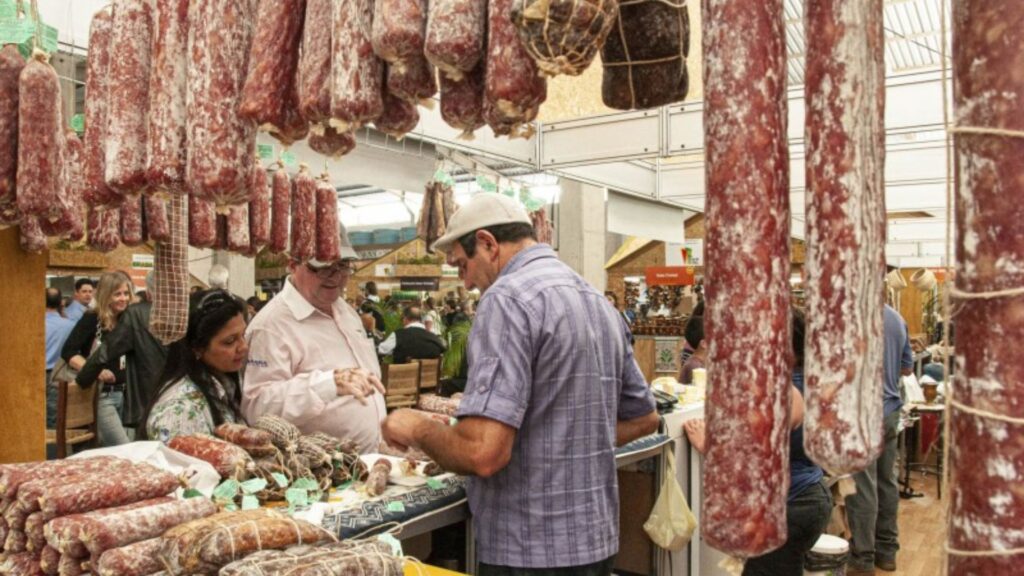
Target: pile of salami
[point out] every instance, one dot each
(337, 558)
(437, 209)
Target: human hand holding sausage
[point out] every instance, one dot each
(358, 383)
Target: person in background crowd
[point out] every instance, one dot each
(809, 502)
(694, 336)
(412, 341)
(199, 387)
(58, 328)
(112, 296)
(140, 296)
(529, 383)
(613, 299)
(872, 511)
(687, 350)
(450, 310)
(82, 301)
(431, 318)
(310, 360)
(195, 290)
(218, 277)
(371, 292)
(145, 357)
(367, 306)
(253, 305)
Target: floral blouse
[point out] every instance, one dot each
(182, 410)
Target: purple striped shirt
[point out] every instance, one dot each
(550, 357)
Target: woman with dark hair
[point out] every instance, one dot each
(200, 388)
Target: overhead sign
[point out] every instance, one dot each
(669, 276)
(419, 283)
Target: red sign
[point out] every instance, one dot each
(670, 276)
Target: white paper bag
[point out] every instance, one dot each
(671, 523)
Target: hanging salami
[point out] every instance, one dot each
(202, 223)
(128, 96)
(269, 84)
(169, 318)
(645, 55)
(157, 228)
(303, 222)
(32, 238)
(398, 30)
(165, 138)
(69, 206)
(11, 65)
(357, 75)
(94, 166)
(326, 140)
(414, 82)
(103, 229)
(514, 89)
(294, 126)
(41, 140)
(748, 316)
(455, 35)
(259, 208)
(220, 142)
(313, 77)
(399, 117)
(462, 102)
(845, 90)
(74, 151)
(131, 221)
(563, 36)
(238, 239)
(987, 407)
(328, 242)
(281, 210)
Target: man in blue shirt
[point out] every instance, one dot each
(84, 288)
(872, 510)
(57, 330)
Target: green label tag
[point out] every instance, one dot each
(253, 486)
(78, 123)
(396, 506)
(288, 157)
(306, 484)
(8, 9)
(48, 39)
(232, 507)
(226, 490)
(250, 502)
(266, 151)
(281, 479)
(390, 540)
(486, 185)
(296, 497)
(434, 483)
(192, 493)
(12, 32)
(344, 485)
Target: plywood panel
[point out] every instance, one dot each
(22, 352)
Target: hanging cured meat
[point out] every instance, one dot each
(165, 139)
(313, 78)
(303, 224)
(281, 211)
(357, 75)
(158, 228)
(11, 65)
(103, 229)
(399, 117)
(987, 407)
(414, 82)
(514, 89)
(462, 102)
(131, 221)
(645, 55)
(74, 186)
(328, 241)
(326, 140)
(220, 142)
(563, 36)
(748, 314)
(438, 207)
(845, 89)
(541, 224)
(169, 318)
(32, 238)
(269, 97)
(128, 96)
(97, 193)
(259, 208)
(40, 139)
(238, 239)
(455, 35)
(399, 27)
(202, 223)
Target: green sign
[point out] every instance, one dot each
(266, 151)
(8, 9)
(22, 32)
(288, 157)
(486, 185)
(78, 123)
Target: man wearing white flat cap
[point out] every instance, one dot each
(310, 361)
(552, 389)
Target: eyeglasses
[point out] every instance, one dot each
(330, 270)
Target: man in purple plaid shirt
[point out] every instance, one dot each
(552, 390)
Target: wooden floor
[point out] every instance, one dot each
(922, 523)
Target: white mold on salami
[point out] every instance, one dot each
(269, 91)
(398, 30)
(128, 96)
(313, 77)
(165, 138)
(455, 35)
(514, 88)
(357, 75)
(41, 140)
(97, 193)
(11, 65)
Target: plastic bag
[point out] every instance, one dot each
(671, 523)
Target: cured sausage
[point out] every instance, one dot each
(377, 482)
(238, 229)
(462, 102)
(202, 223)
(49, 561)
(328, 242)
(294, 126)
(11, 65)
(70, 566)
(357, 75)
(102, 533)
(313, 79)
(165, 139)
(365, 558)
(138, 559)
(399, 117)
(35, 540)
(226, 458)
(398, 32)
(140, 482)
(845, 233)
(65, 533)
(221, 225)
(514, 89)
(256, 442)
(563, 36)
(64, 221)
(41, 140)
(169, 318)
(158, 228)
(9, 215)
(455, 35)
(270, 82)
(131, 221)
(326, 140)
(414, 82)
(103, 229)
(20, 564)
(280, 216)
(259, 208)
(987, 406)
(303, 242)
(97, 193)
(128, 96)
(74, 187)
(220, 142)
(748, 277)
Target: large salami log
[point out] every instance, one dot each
(363, 557)
(259, 208)
(645, 55)
(268, 91)
(11, 65)
(131, 221)
(97, 193)
(70, 216)
(118, 529)
(32, 237)
(987, 407)
(563, 36)
(140, 482)
(398, 32)
(357, 75)
(238, 239)
(328, 242)
(414, 82)
(128, 96)
(103, 229)
(462, 102)
(398, 118)
(226, 458)
(313, 77)
(455, 35)
(303, 223)
(845, 90)
(747, 461)
(514, 88)
(65, 533)
(169, 318)
(280, 216)
(157, 226)
(74, 186)
(220, 142)
(165, 139)
(202, 223)
(326, 140)
(40, 140)
(138, 559)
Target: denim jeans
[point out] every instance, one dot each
(806, 518)
(872, 510)
(108, 418)
(602, 568)
(51, 415)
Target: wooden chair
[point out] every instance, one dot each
(430, 373)
(76, 417)
(401, 385)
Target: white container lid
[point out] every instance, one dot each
(831, 545)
